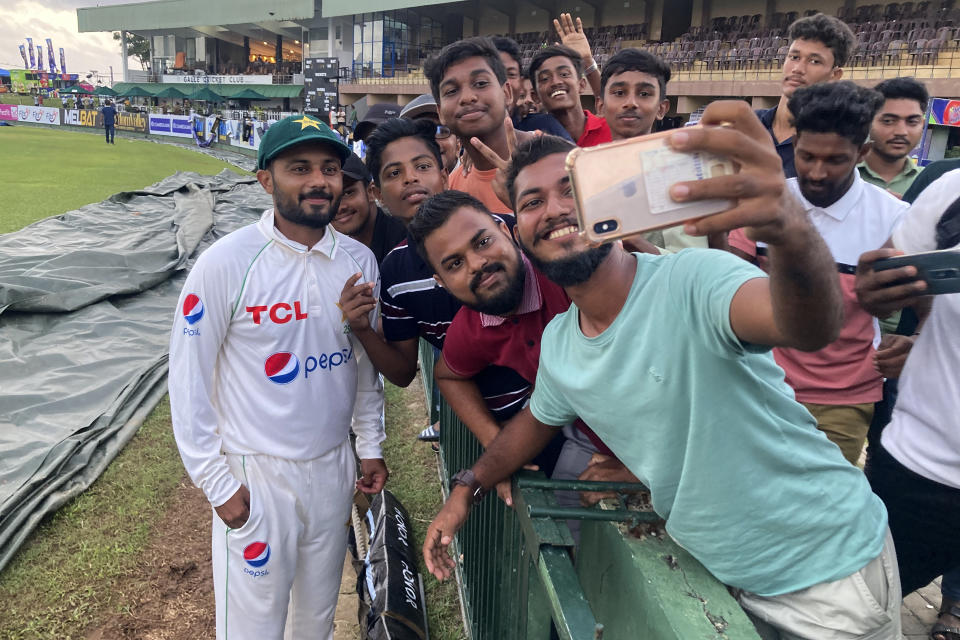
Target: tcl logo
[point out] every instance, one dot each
(279, 313)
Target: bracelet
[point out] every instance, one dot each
(593, 67)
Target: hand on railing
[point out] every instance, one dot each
(604, 469)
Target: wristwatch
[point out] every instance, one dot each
(466, 478)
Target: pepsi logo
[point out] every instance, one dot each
(192, 309)
(282, 367)
(257, 554)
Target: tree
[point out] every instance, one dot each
(137, 47)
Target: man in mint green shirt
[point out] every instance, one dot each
(667, 358)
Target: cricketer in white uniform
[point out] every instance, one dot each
(265, 383)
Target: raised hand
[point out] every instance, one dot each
(501, 164)
(764, 207)
(571, 35)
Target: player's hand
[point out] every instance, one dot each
(875, 289)
(356, 303)
(235, 511)
(436, 542)
(500, 164)
(892, 354)
(603, 469)
(571, 35)
(763, 206)
(373, 475)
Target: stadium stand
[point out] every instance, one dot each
(918, 39)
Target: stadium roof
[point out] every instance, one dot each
(215, 18)
(334, 8)
(227, 91)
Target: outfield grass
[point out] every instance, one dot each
(48, 172)
(64, 576)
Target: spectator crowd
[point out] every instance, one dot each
(787, 404)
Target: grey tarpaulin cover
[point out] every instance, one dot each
(86, 304)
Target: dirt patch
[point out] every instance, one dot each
(170, 596)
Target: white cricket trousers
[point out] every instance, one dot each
(278, 576)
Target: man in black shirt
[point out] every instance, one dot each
(358, 215)
(820, 47)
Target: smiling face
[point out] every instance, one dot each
(475, 259)
(356, 209)
(897, 128)
(558, 85)
(409, 174)
(808, 62)
(631, 104)
(825, 163)
(527, 101)
(547, 223)
(305, 182)
(472, 101)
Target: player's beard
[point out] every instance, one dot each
(294, 212)
(571, 270)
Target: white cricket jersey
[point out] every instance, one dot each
(261, 357)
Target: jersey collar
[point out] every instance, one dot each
(327, 245)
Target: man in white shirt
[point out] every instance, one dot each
(266, 381)
(916, 467)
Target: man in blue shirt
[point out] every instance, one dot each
(109, 120)
(667, 358)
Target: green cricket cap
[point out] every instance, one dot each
(294, 130)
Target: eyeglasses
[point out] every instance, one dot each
(443, 132)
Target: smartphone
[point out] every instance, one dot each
(622, 188)
(939, 269)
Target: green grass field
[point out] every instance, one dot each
(50, 172)
(63, 579)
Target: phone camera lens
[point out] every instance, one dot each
(606, 226)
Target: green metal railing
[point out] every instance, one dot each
(518, 580)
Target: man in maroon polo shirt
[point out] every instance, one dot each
(507, 304)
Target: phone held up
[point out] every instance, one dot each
(939, 269)
(622, 188)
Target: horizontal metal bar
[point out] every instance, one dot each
(583, 513)
(527, 482)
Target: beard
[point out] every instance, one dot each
(292, 211)
(572, 270)
(507, 300)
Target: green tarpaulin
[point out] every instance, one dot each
(88, 300)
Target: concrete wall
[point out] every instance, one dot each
(531, 18)
(617, 12)
(492, 21)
